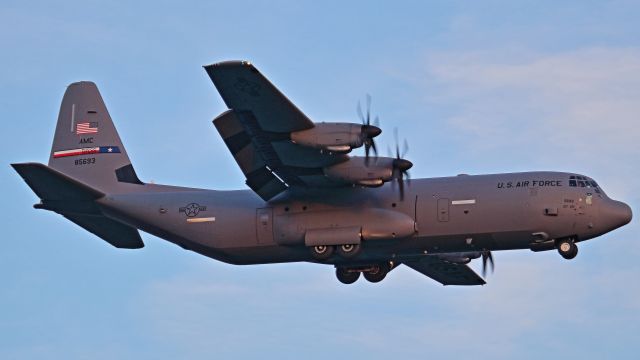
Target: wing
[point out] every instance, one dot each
(444, 272)
(244, 88)
(257, 130)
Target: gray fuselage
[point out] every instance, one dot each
(450, 214)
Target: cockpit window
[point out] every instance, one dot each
(583, 181)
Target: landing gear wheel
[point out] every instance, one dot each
(567, 249)
(349, 251)
(322, 252)
(377, 273)
(347, 276)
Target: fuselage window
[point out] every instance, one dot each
(581, 183)
(572, 183)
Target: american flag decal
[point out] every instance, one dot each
(86, 128)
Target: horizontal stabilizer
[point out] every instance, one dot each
(111, 231)
(50, 184)
(75, 201)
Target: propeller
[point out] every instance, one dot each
(401, 166)
(368, 131)
(486, 257)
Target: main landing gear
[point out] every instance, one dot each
(324, 252)
(373, 273)
(567, 248)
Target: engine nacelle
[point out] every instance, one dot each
(356, 171)
(334, 137)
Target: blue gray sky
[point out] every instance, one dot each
(474, 87)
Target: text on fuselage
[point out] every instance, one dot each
(529, 183)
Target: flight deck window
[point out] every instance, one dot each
(583, 181)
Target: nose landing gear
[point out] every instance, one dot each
(567, 248)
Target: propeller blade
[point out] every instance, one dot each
(401, 186)
(368, 131)
(368, 109)
(487, 258)
(373, 147)
(359, 109)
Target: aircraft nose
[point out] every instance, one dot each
(618, 213)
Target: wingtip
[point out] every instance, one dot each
(82, 83)
(228, 63)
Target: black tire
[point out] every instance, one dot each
(347, 277)
(349, 251)
(322, 252)
(377, 274)
(567, 249)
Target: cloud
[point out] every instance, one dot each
(577, 109)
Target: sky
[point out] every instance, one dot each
(473, 86)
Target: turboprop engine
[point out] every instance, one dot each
(336, 137)
(375, 173)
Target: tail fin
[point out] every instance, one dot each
(86, 145)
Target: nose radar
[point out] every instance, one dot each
(615, 214)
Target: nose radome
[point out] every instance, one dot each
(619, 212)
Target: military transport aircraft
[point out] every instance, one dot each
(310, 200)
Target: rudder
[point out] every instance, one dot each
(86, 145)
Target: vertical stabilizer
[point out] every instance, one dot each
(86, 145)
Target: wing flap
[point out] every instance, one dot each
(444, 272)
(259, 178)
